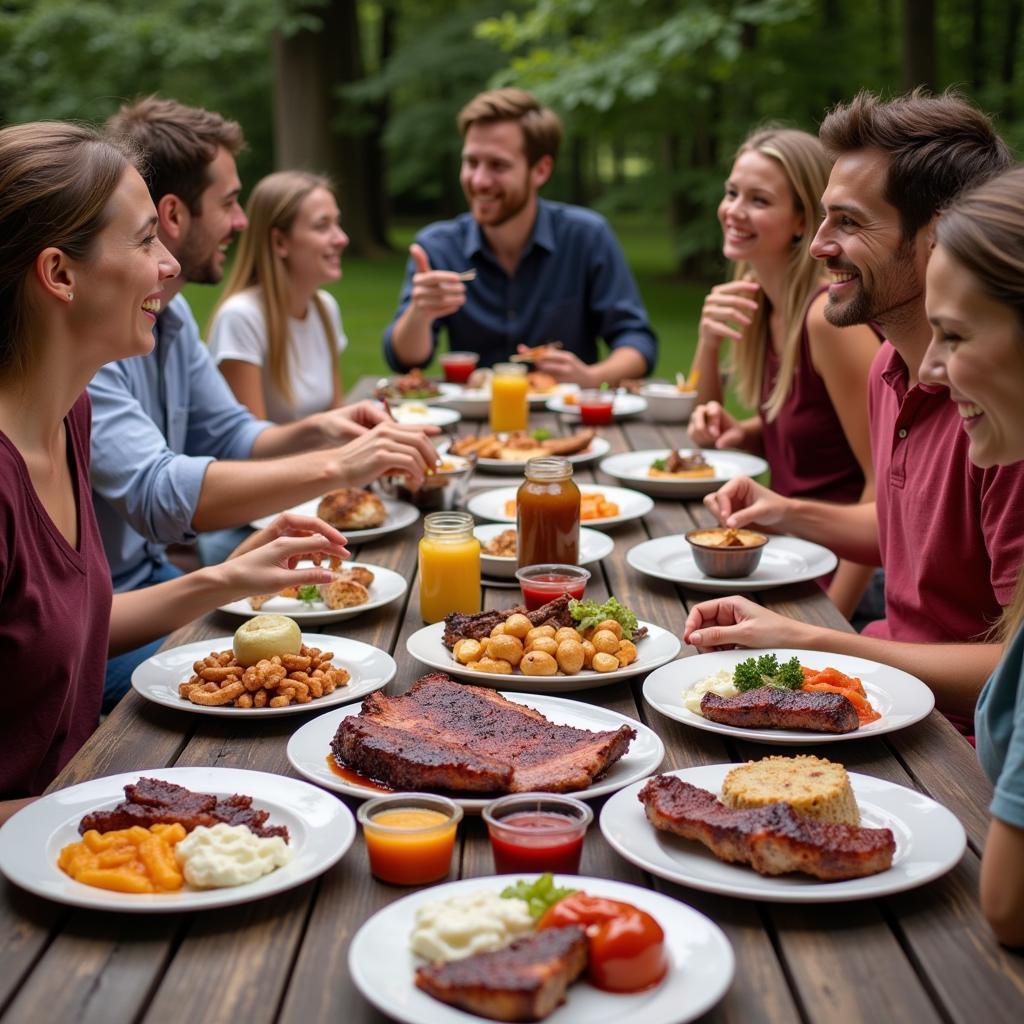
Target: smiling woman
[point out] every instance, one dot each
(275, 336)
(975, 302)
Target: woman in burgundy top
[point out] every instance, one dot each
(80, 283)
(806, 378)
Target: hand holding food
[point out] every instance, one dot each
(742, 502)
(435, 293)
(292, 524)
(390, 449)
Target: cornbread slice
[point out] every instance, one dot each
(813, 787)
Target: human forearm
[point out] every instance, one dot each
(623, 363)
(412, 340)
(1002, 882)
(851, 531)
(848, 586)
(709, 378)
(8, 808)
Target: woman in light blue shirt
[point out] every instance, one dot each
(975, 302)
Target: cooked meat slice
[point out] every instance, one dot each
(343, 594)
(358, 574)
(477, 625)
(522, 982)
(153, 802)
(351, 508)
(773, 840)
(771, 708)
(444, 735)
(570, 444)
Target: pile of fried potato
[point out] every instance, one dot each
(546, 651)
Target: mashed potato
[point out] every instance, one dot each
(225, 855)
(476, 922)
(720, 683)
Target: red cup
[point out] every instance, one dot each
(458, 366)
(537, 832)
(596, 407)
(543, 583)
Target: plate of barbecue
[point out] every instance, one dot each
(680, 473)
(602, 505)
(438, 646)
(784, 560)
(498, 547)
(316, 826)
(788, 696)
(678, 826)
(539, 976)
(473, 744)
(509, 453)
(358, 587)
(387, 515)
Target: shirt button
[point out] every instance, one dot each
(902, 434)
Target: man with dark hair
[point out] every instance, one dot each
(950, 536)
(173, 452)
(544, 271)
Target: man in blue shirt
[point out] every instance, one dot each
(173, 451)
(544, 271)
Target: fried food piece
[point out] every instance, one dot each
(503, 545)
(351, 508)
(343, 593)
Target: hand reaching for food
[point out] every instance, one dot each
(271, 566)
(728, 622)
(565, 367)
(291, 524)
(389, 449)
(742, 502)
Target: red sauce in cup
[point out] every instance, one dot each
(596, 410)
(542, 844)
(459, 366)
(548, 586)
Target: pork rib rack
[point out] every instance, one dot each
(773, 840)
(467, 739)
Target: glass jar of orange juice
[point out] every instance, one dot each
(509, 405)
(449, 566)
(548, 513)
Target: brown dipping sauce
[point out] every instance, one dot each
(354, 778)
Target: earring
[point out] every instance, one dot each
(71, 296)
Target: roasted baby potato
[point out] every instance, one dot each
(538, 663)
(517, 625)
(467, 650)
(570, 656)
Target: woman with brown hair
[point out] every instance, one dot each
(806, 379)
(81, 269)
(975, 302)
(275, 335)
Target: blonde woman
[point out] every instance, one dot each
(975, 302)
(806, 378)
(275, 335)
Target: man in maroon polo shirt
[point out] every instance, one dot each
(950, 536)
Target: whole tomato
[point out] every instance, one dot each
(627, 946)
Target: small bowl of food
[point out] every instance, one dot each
(532, 832)
(725, 553)
(666, 403)
(443, 489)
(543, 583)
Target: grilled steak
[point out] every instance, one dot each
(458, 625)
(771, 708)
(467, 739)
(152, 802)
(773, 840)
(524, 981)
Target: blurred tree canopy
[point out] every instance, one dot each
(655, 94)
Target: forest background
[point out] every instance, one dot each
(655, 96)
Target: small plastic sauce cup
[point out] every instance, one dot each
(533, 832)
(410, 836)
(596, 407)
(459, 366)
(543, 583)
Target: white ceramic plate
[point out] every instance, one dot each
(594, 546)
(387, 586)
(420, 414)
(784, 560)
(400, 514)
(598, 449)
(632, 504)
(157, 678)
(310, 747)
(622, 406)
(475, 403)
(658, 647)
(929, 842)
(321, 830)
(900, 698)
(700, 956)
(446, 391)
(631, 468)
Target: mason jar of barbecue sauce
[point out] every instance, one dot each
(548, 513)
(449, 566)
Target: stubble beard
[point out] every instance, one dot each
(900, 286)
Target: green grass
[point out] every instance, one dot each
(369, 290)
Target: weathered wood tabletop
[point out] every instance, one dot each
(926, 955)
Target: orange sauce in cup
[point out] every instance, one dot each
(410, 845)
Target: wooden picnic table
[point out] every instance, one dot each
(926, 955)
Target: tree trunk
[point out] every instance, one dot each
(919, 43)
(977, 57)
(310, 119)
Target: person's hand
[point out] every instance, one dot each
(566, 367)
(725, 306)
(435, 293)
(742, 502)
(291, 524)
(728, 622)
(711, 426)
(348, 422)
(389, 449)
(271, 567)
